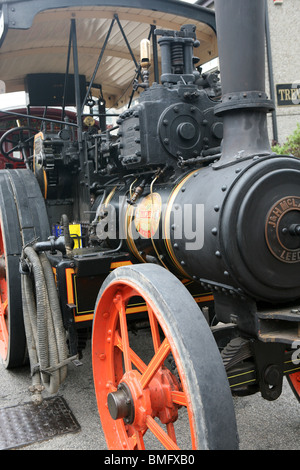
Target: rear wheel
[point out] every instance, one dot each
(170, 393)
(11, 329)
(23, 219)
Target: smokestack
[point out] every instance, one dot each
(244, 106)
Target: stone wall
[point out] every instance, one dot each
(284, 20)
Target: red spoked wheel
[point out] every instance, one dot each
(3, 301)
(294, 382)
(169, 391)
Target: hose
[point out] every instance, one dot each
(45, 333)
(30, 315)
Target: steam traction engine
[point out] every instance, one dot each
(186, 205)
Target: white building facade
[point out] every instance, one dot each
(284, 25)
(282, 65)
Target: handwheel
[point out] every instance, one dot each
(19, 139)
(176, 394)
(22, 219)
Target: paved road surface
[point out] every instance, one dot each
(262, 425)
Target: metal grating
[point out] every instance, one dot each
(27, 423)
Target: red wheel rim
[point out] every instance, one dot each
(294, 380)
(145, 397)
(4, 336)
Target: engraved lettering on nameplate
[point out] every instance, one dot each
(282, 239)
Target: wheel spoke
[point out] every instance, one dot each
(179, 398)
(16, 147)
(155, 363)
(135, 359)
(124, 334)
(3, 329)
(171, 432)
(140, 441)
(154, 329)
(28, 139)
(160, 434)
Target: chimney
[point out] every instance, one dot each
(244, 106)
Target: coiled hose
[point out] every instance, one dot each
(45, 333)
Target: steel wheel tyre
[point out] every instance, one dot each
(138, 398)
(22, 219)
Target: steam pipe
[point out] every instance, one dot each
(242, 64)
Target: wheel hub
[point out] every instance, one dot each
(2, 267)
(133, 403)
(120, 404)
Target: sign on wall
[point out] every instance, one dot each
(288, 94)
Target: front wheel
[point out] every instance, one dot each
(171, 392)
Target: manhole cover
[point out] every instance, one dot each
(27, 423)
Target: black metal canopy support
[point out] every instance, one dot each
(115, 19)
(98, 62)
(83, 176)
(76, 81)
(126, 40)
(66, 75)
(72, 45)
